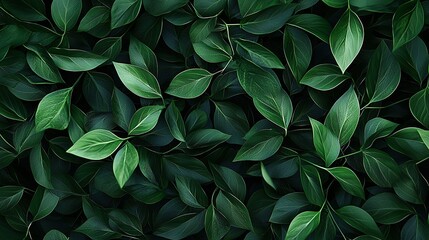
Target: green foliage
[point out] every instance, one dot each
(214, 119)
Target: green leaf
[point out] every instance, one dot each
(144, 119)
(94, 18)
(128, 223)
(407, 23)
(156, 9)
(26, 136)
(387, 208)
(343, 117)
(258, 54)
(303, 225)
(298, 51)
(181, 226)
(324, 77)
(346, 39)
(377, 128)
(266, 176)
(96, 145)
(11, 107)
(381, 167)
(43, 203)
(40, 165)
(75, 60)
(138, 80)
(414, 58)
(312, 23)
(384, 74)
(216, 225)
(97, 228)
(348, 181)
(419, 106)
(409, 142)
(186, 166)
(190, 83)
(260, 146)
(234, 210)
(415, 228)
(122, 108)
(65, 13)
(191, 193)
(213, 49)
(267, 21)
(336, 3)
(175, 122)
(411, 185)
(55, 235)
(205, 138)
(288, 206)
(312, 184)
(249, 7)
(54, 110)
(108, 47)
(231, 119)
(25, 10)
(359, 219)
(42, 64)
(325, 142)
(10, 196)
(142, 56)
(125, 162)
(124, 12)
(229, 181)
(209, 8)
(201, 29)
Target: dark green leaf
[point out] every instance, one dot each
(348, 181)
(260, 146)
(65, 13)
(75, 60)
(10, 196)
(234, 210)
(387, 208)
(216, 226)
(298, 50)
(312, 23)
(380, 167)
(124, 12)
(407, 23)
(191, 193)
(324, 77)
(258, 54)
(359, 219)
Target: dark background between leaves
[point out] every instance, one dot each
(261, 199)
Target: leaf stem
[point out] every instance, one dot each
(317, 166)
(350, 154)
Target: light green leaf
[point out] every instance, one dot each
(298, 51)
(75, 60)
(65, 13)
(138, 80)
(324, 77)
(258, 54)
(260, 146)
(96, 145)
(303, 225)
(407, 23)
(343, 117)
(54, 110)
(384, 74)
(144, 119)
(346, 39)
(125, 162)
(190, 83)
(326, 143)
(124, 12)
(348, 181)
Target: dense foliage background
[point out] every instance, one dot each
(210, 119)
